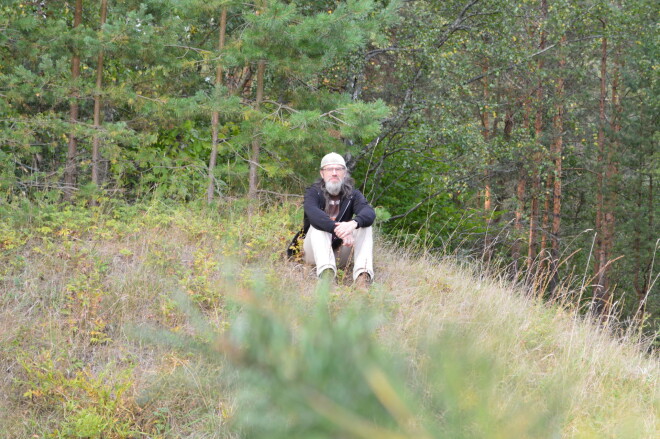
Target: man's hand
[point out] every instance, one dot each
(342, 230)
(348, 240)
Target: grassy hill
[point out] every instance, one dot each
(167, 321)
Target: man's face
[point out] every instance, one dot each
(333, 175)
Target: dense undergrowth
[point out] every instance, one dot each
(166, 321)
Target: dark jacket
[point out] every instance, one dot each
(353, 206)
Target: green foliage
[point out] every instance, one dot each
(317, 373)
(156, 137)
(10, 238)
(90, 405)
(363, 120)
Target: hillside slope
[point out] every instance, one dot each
(169, 321)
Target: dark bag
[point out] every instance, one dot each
(294, 250)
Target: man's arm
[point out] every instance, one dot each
(317, 217)
(365, 215)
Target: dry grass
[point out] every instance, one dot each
(611, 387)
(59, 294)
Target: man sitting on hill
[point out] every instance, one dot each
(338, 222)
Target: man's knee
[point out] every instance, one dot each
(317, 238)
(316, 243)
(363, 234)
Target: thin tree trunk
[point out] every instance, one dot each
(520, 193)
(215, 118)
(537, 156)
(643, 287)
(520, 209)
(508, 123)
(97, 104)
(520, 198)
(70, 170)
(534, 212)
(244, 81)
(545, 222)
(256, 142)
(485, 122)
(610, 190)
(641, 279)
(612, 168)
(600, 261)
(558, 150)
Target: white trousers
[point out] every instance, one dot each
(317, 250)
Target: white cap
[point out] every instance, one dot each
(332, 159)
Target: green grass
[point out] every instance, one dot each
(166, 321)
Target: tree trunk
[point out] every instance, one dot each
(534, 212)
(97, 105)
(70, 170)
(600, 256)
(642, 280)
(545, 223)
(215, 117)
(520, 198)
(537, 156)
(643, 288)
(557, 152)
(256, 142)
(485, 122)
(608, 217)
(517, 222)
(520, 209)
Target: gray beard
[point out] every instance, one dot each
(333, 187)
(346, 187)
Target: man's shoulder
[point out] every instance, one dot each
(315, 187)
(356, 193)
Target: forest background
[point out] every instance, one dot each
(521, 134)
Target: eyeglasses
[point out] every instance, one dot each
(338, 169)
